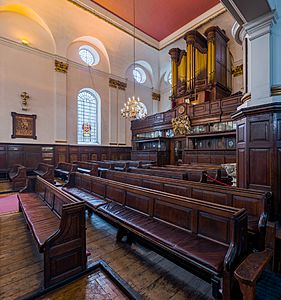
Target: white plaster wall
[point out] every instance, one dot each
(24, 71)
(33, 72)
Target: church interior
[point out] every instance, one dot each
(140, 149)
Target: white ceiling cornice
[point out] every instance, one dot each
(119, 23)
(195, 23)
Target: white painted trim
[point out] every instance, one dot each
(209, 14)
(261, 26)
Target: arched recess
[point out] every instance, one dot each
(27, 26)
(146, 68)
(73, 51)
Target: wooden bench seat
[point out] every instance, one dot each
(87, 167)
(198, 175)
(57, 223)
(255, 202)
(204, 251)
(45, 171)
(92, 200)
(206, 238)
(18, 177)
(160, 173)
(63, 170)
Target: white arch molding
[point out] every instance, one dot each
(29, 13)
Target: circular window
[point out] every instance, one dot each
(89, 55)
(139, 75)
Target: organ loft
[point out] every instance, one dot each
(202, 71)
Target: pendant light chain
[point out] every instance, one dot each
(134, 108)
(134, 41)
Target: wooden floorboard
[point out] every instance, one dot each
(154, 277)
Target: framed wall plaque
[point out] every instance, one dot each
(24, 126)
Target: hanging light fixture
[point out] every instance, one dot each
(134, 108)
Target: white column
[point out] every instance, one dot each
(121, 120)
(60, 105)
(113, 110)
(260, 61)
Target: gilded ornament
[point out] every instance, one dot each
(181, 125)
(61, 66)
(155, 96)
(237, 71)
(117, 84)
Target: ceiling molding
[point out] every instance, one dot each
(195, 23)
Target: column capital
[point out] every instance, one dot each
(174, 52)
(117, 84)
(261, 25)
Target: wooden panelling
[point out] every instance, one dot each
(30, 155)
(278, 130)
(138, 202)
(215, 227)
(241, 170)
(241, 133)
(209, 110)
(173, 214)
(212, 156)
(116, 194)
(259, 168)
(258, 154)
(259, 131)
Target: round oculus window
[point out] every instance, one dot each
(89, 55)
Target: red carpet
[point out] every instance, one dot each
(9, 204)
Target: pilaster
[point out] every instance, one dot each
(61, 69)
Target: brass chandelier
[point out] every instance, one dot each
(134, 108)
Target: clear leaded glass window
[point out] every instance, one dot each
(89, 55)
(139, 75)
(87, 109)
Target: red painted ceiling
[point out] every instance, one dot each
(158, 18)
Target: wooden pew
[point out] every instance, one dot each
(160, 173)
(207, 239)
(200, 174)
(45, 171)
(63, 170)
(250, 270)
(17, 175)
(87, 167)
(57, 223)
(255, 202)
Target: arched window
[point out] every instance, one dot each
(88, 108)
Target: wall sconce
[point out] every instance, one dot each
(24, 97)
(25, 42)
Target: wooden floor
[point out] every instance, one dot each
(5, 186)
(148, 273)
(93, 286)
